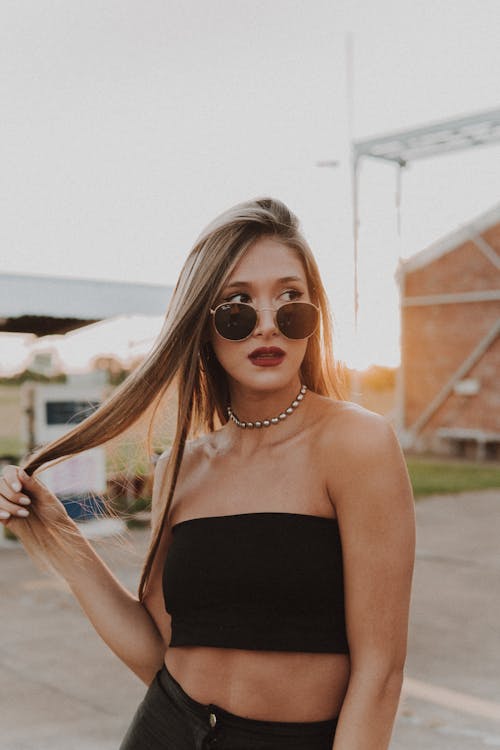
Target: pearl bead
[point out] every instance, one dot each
(274, 420)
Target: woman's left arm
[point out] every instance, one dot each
(369, 485)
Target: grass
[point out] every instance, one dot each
(434, 477)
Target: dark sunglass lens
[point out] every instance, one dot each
(235, 321)
(297, 320)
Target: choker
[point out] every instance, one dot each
(266, 422)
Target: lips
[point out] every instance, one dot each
(265, 352)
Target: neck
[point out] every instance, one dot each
(251, 405)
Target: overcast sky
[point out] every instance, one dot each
(126, 126)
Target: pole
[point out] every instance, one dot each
(349, 45)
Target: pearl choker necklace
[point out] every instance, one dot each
(266, 422)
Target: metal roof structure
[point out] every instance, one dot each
(54, 304)
(437, 138)
(400, 147)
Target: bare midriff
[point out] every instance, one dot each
(265, 685)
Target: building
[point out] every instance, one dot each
(45, 305)
(449, 380)
(36, 310)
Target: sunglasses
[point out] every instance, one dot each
(236, 321)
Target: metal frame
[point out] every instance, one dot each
(455, 134)
(402, 146)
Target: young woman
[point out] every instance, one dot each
(273, 606)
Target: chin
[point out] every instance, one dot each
(265, 377)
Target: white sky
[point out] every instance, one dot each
(127, 126)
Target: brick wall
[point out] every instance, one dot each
(438, 337)
(463, 269)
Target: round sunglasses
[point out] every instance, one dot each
(236, 321)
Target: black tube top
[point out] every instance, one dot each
(266, 581)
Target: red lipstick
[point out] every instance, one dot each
(267, 356)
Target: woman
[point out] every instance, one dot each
(273, 606)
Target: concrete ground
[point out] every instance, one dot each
(61, 687)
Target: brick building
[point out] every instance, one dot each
(449, 380)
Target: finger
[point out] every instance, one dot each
(9, 494)
(8, 509)
(10, 475)
(28, 484)
(24, 478)
(31, 483)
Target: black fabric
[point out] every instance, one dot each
(169, 719)
(264, 581)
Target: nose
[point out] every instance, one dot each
(266, 321)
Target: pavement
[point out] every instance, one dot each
(61, 687)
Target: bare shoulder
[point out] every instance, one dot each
(349, 427)
(361, 454)
(191, 452)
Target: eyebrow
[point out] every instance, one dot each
(283, 280)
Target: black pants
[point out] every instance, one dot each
(169, 719)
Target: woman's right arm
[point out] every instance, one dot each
(119, 618)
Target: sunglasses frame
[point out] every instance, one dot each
(261, 309)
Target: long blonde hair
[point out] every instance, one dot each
(182, 356)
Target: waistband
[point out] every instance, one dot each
(171, 687)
